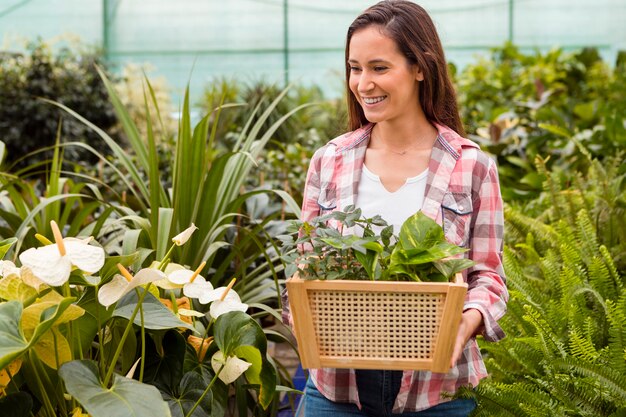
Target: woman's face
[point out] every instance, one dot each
(381, 78)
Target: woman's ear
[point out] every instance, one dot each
(419, 75)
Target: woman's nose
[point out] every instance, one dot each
(365, 82)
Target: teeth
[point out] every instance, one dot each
(373, 100)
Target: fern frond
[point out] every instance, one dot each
(609, 379)
(616, 317)
(569, 247)
(543, 233)
(582, 347)
(551, 345)
(519, 399)
(518, 279)
(550, 266)
(586, 235)
(493, 401)
(600, 278)
(608, 260)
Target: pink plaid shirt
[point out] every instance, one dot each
(463, 195)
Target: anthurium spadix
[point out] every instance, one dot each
(52, 264)
(120, 285)
(223, 300)
(194, 284)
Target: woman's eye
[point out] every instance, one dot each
(355, 69)
(378, 68)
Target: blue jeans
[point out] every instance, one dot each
(316, 405)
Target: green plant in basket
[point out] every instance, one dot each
(344, 245)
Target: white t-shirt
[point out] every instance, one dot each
(395, 207)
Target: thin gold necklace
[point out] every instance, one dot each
(403, 152)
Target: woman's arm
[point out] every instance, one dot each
(485, 302)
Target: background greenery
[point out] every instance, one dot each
(130, 174)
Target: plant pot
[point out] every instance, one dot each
(376, 325)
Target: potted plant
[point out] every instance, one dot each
(362, 297)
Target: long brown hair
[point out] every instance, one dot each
(414, 32)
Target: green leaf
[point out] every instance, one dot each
(164, 367)
(451, 266)
(125, 398)
(18, 404)
(12, 340)
(557, 130)
(155, 315)
(420, 232)
(6, 244)
(234, 330)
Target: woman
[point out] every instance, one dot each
(405, 153)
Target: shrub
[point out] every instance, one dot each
(28, 124)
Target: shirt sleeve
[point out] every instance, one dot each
(487, 290)
(310, 209)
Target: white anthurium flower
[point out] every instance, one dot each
(53, 264)
(223, 300)
(194, 284)
(8, 268)
(227, 305)
(233, 367)
(120, 285)
(167, 284)
(181, 238)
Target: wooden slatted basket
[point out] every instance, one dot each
(376, 325)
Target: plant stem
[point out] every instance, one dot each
(206, 391)
(143, 341)
(44, 395)
(166, 258)
(120, 346)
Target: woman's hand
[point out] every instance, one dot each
(471, 320)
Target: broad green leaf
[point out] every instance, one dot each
(125, 398)
(164, 363)
(369, 261)
(53, 348)
(12, 340)
(451, 266)
(235, 329)
(32, 314)
(17, 404)
(155, 315)
(190, 390)
(420, 232)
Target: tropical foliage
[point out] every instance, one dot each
(95, 338)
(519, 106)
(27, 124)
(565, 353)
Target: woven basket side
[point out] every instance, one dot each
(376, 325)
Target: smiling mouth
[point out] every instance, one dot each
(373, 100)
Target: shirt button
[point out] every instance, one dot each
(461, 208)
